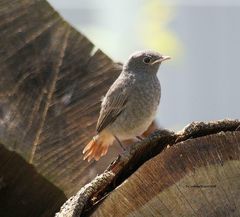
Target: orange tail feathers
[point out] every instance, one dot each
(97, 147)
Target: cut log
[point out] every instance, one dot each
(198, 177)
(51, 81)
(191, 173)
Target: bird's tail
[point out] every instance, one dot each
(98, 146)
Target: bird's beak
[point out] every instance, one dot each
(161, 59)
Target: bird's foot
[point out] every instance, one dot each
(140, 138)
(119, 142)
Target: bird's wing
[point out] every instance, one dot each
(113, 104)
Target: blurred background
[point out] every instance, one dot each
(201, 82)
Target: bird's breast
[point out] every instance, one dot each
(140, 109)
(142, 106)
(146, 97)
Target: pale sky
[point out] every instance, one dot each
(102, 3)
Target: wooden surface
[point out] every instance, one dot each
(88, 200)
(197, 177)
(51, 81)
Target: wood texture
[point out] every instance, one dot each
(86, 200)
(51, 81)
(197, 177)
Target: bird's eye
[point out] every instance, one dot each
(147, 60)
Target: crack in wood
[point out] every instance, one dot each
(50, 95)
(34, 111)
(139, 153)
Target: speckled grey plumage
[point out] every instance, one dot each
(131, 103)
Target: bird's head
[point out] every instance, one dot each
(146, 61)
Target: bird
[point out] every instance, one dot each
(130, 104)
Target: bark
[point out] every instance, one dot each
(51, 81)
(191, 173)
